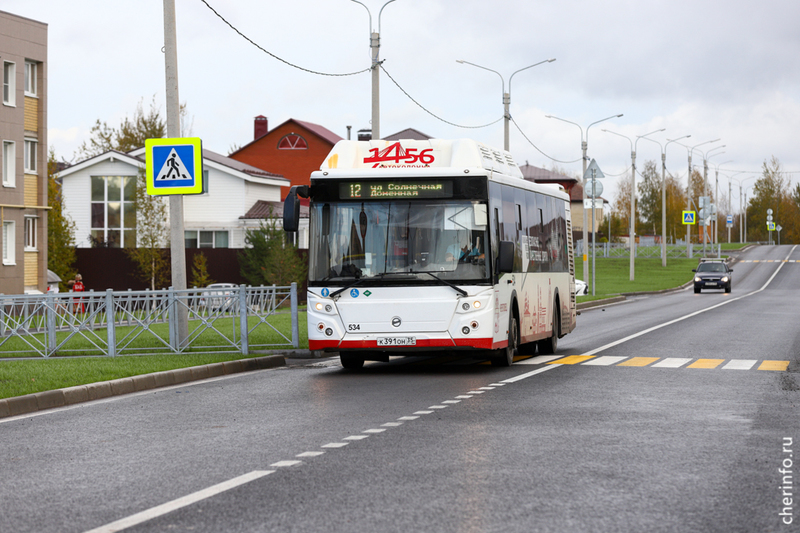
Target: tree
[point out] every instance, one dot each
(269, 259)
(650, 198)
(60, 229)
(152, 237)
(769, 192)
(200, 277)
(130, 134)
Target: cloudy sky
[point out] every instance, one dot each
(710, 69)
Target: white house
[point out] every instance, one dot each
(98, 196)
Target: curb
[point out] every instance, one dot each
(30, 403)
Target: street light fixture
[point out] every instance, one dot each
(506, 95)
(584, 147)
(374, 48)
(633, 190)
(664, 195)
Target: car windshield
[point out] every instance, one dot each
(711, 267)
(398, 239)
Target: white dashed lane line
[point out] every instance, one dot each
(161, 510)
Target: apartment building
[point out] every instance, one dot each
(23, 155)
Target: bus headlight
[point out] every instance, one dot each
(465, 330)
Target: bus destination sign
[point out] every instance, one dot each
(351, 190)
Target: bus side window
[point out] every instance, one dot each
(532, 231)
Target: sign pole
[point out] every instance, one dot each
(177, 244)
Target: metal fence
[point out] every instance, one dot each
(111, 323)
(613, 249)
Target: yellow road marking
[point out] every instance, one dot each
(571, 360)
(774, 365)
(706, 363)
(639, 361)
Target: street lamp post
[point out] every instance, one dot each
(689, 195)
(743, 208)
(664, 195)
(715, 238)
(706, 157)
(374, 48)
(584, 147)
(506, 95)
(633, 191)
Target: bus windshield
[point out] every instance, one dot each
(398, 239)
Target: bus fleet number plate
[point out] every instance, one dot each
(397, 341)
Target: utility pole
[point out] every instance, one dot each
(177, 244)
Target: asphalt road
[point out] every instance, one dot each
(633, 435)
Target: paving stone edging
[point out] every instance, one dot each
(20, 405)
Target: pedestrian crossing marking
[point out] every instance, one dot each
(706, 363)
(605, 360)
(571, 360)
(639, 361)
(740, 364)
(774, 365)
(666, 362)
(672, 362)
(539, 359)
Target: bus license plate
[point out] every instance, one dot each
(397, 341)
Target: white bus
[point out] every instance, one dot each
(418, 246)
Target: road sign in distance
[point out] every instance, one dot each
(594, 188)
(593, 172)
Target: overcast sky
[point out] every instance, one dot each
(710, 69)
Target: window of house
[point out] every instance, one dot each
(9, 164)
(30, 155)
(8, 243)
(113, 212)
(30, 78)
(206, 239)
(31, 224)
(9, 83)
(292, 142)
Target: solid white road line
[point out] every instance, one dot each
(532, 373)
(174, 505)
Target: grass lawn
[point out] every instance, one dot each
(29, 376)
(612, 277)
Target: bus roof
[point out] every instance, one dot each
(458, 154)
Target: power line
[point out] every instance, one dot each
(431, 113)
(248, 39)
(538, 149)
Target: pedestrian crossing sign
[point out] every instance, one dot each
(688, 217)
(174, 166)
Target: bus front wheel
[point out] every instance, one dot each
(505, 356)
(351, 361)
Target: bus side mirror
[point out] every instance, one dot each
(505, 257)
(291, 208)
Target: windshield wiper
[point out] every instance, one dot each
(461, 291)
(340, 291)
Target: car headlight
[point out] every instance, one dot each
(725, 279)
(698, 279)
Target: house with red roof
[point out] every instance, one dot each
(293, 149)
